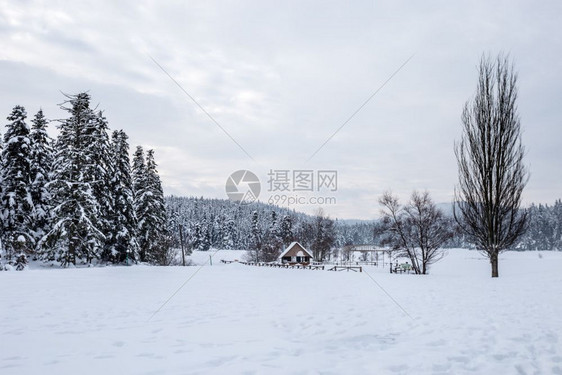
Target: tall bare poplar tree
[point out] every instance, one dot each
(492, 175)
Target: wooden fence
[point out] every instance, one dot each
(346, 268)
(281, 265)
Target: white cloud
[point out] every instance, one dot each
(280, 78)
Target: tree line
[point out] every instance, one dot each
(263, 229)
(544, 228)
(76, 199)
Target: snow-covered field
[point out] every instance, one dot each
(233, 319)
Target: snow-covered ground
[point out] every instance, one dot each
(231, 319)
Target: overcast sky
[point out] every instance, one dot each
(281, 77)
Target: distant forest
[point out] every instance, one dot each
(223, 224)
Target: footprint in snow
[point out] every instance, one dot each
(460, 358)
(104, 356)
(14, 358)
(440, 342)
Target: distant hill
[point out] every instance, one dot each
(446, 207)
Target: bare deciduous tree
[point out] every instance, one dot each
(417, 229)
(492, 175)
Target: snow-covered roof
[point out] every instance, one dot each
(293, 244)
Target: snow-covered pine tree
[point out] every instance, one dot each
(160, 248)
(287, 230)
(201, 236)
(196, 237)
(229, 238)
(255, 239)
(273, 242)
(558, 218)
(216, 232)
(99, 172)
(76, 233)
(205, 244)
(41, 164)
(529, 240)
(16, 204)
(174, 224)
(139, 175)
(123, 243)
(149, 209)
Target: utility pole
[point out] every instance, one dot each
(181, 244)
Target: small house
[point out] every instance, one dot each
(295, 253)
